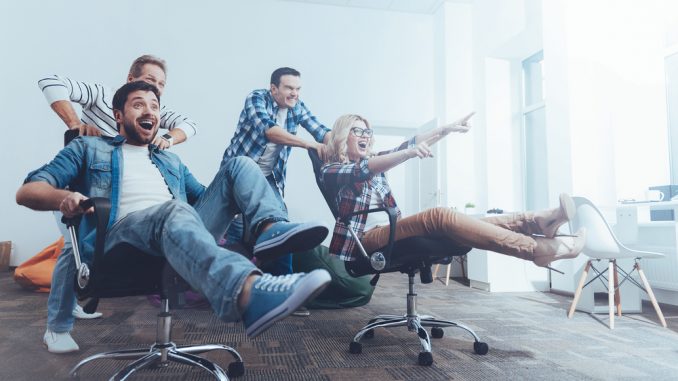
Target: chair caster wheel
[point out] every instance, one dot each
(437, 332)
(236, 369)
(425, 358)
(369, 334)
(355, 348)
(480, 348)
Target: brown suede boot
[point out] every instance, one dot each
(550, 221)
(553, 249)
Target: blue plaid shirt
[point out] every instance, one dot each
(258, 115)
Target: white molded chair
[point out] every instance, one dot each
(602, 244)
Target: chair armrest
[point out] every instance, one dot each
(102, 212)
(392, 220)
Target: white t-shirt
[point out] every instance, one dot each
(270, 156)
(144, 186)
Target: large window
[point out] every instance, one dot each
(671, 65)
(534, 133)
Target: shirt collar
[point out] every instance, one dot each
(119, 140)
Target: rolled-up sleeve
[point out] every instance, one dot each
(63, 169)
(309, 122)
(57, 88)
(170, 119)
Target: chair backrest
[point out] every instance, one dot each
(600, 239)
(328, 194)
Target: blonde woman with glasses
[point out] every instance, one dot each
(358, 175)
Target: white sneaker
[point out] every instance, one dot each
(80, 314)
(59, 342)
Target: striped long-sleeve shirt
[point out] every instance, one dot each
(97, 105)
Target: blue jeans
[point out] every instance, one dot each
(186, 236)
(281, 265)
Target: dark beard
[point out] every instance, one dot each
(133, 136)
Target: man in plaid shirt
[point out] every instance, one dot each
(266, 132)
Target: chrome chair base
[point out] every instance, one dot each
(165, 351)
(415, 323)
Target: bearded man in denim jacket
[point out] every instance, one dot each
(161, 209)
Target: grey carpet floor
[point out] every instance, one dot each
(529, 335)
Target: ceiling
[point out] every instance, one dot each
(410, 6)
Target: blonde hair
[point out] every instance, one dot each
(336, 143)
(138, 64)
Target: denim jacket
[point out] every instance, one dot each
(93, 166)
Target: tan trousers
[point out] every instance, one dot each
(507, 234)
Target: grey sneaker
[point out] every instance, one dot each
(288, 237)
(59, 342)
(273, 298)
(80, 314)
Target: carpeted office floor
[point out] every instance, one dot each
(529, 335)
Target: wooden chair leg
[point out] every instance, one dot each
(617, 294)
(610, 291)
(463, 270)
(651, 295)
(447, 275)
(435, 271)
(577, 293)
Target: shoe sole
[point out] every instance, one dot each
(301, 239)
(311, 285)
(567, 204)
(95, 315)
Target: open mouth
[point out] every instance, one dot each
(146, 124)
(362, 145)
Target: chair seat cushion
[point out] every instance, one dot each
(127, 271)
(411, 253)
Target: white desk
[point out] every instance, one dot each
(635, 229)
(495, 272)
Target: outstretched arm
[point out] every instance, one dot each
(433, 136)
(279, 135)
(420, 148)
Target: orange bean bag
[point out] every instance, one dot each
(36, 273)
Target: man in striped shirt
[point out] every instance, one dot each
(97, 119)
(95, 99)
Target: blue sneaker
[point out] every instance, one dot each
(273, 298)
(288, 237)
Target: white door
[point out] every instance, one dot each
(431, 192)
(404, 178)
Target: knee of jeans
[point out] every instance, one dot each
(440, 212)
(240, 162)
(174, 207)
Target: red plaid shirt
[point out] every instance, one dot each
(355, 186)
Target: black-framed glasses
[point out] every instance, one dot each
(360, 132)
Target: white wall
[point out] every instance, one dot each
(372, 62)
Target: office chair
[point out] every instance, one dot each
(408, 256)
(126, 271)
(602, 244)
